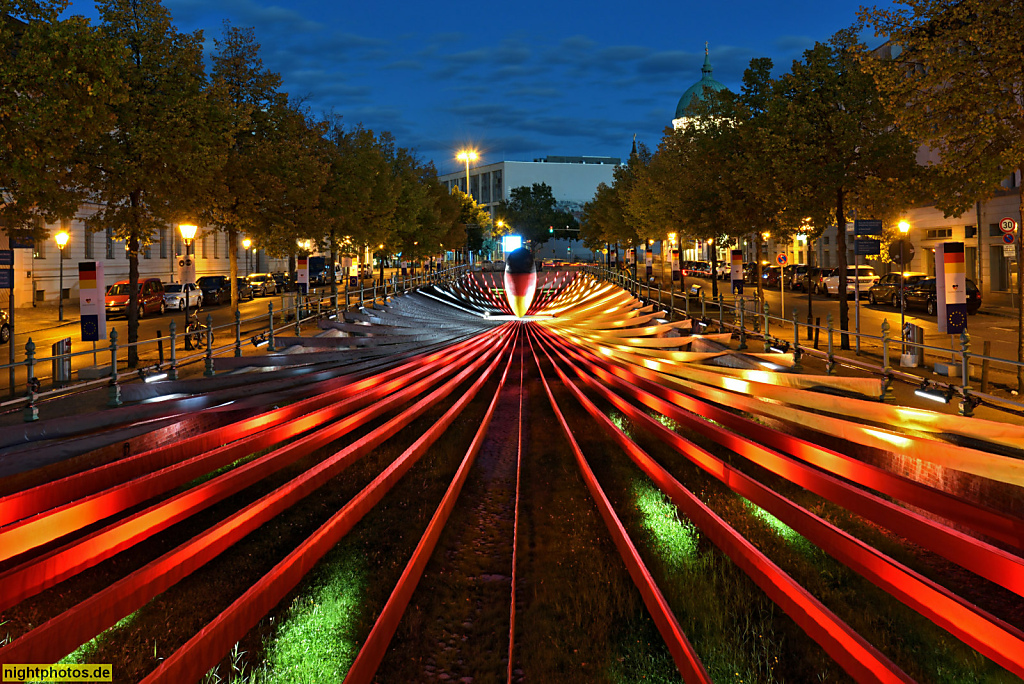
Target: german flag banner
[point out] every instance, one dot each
(736, 270)
(676, 275)
(951, 288)
(92, 293)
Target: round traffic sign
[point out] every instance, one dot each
(1007, 225)
(1008, 238)
(907, 248)
(781, 259)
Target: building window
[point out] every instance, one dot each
(485, 188)
(825, 239)
(474, 184)
(87, 236)
(163, 243)
(178, 251)
(937, 233)
(993, 230)
(38, 245)
(216, 245)
(497, 192)
(204, 246)
(110, 243)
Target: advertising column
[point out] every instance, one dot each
(951, 288)
(302, 274)
(736, 271)
(92, 291)
(676, 275)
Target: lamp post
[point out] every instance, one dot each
(188, 233)
(62, 241)
(904, 227)
(467, 156)
(246, 244)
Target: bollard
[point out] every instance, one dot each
(671, 303)
(830, 365)
(797, 366)
(767, 337)
(209, 346)
(172, 372)
(986, 351)
(888, 393)
(160, 348)
(238, 333)
(703, 305)
(270, 318)
(721, 312)
(298, 297)
(966, 401)
(31, 384)
(743, 325)
(115, 389)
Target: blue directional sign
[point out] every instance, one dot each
(6, 278)
(867, 227)
(867, 247)
(6, 257)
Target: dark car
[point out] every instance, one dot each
(818, 279)
(285, 283)
(216, 289)
(922, 295)
(796, 276)
(5, 326)
(771, 276)
(150, 299)
(887, 289)
(244, 291)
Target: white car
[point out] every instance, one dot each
(861, 277)
(175, 293)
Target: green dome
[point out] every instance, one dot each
(697, 89)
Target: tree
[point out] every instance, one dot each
(244, 94)
(532, 212)
(148, 171)
(845, 153)
(60, 84)
(956, 86)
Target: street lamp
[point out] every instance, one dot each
(246, 244)
(904, 227)
(62, 240)
(467, 156)
(188, 234)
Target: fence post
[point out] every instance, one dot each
(671, 303)
(966, 402)
(743, 325)
(172, 372)
(298, 297)
(31, 383)
(238, 333)
(721, 312)
(888, 393)
(115, 389)
(703, 305)
(986, 350)
(209, 345)
(830, 366)
(767, 337)
(270, 320)
(797, 366)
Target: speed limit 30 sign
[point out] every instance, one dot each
(1007, 225)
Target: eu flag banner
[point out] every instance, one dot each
(951, 288)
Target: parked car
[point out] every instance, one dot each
(922, 295)
(262, 284)
(771, 276)
(151, 298)
(887, 289)
(216, 289)
(5, 326)
(724, 271)
(175, 294)
(818, 279)
(796, 276)
(861, 277)
(286, 283)
(244, 291)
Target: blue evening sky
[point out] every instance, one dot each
(518, 80)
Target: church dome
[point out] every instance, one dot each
(697, 89)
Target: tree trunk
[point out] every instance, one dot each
(757, 259)
(812, 260)
(133, 282)
(334, 270)
(714, 268)
(844, 308)
(233, 269)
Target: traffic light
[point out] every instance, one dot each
(551, 229)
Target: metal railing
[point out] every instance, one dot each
(750, 318)
(164, 357)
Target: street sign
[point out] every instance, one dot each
(867, 247)
(781, 259)
(908, 251)
(1007, 225)
(1009, 250)
(867, 227)
(6, 257)
(1008, 238)
(6, 278)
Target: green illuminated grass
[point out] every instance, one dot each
(81, 654)
(780, 528)
(316, 642)
(666, 421)
(675, 541)
(621, 422)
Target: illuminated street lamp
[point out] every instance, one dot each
(467, 156)
(62, 241)
(904, 227)
(188, 234)
(246, 244)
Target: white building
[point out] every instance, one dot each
(37, 269)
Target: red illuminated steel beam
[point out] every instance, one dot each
(29, 502)
(848, 648)
(371, 653)
(989, 635)
(978, 556)
(209, 646)
(683, 653)
(63, 633)
(40, 573)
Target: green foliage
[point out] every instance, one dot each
(532, 212)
